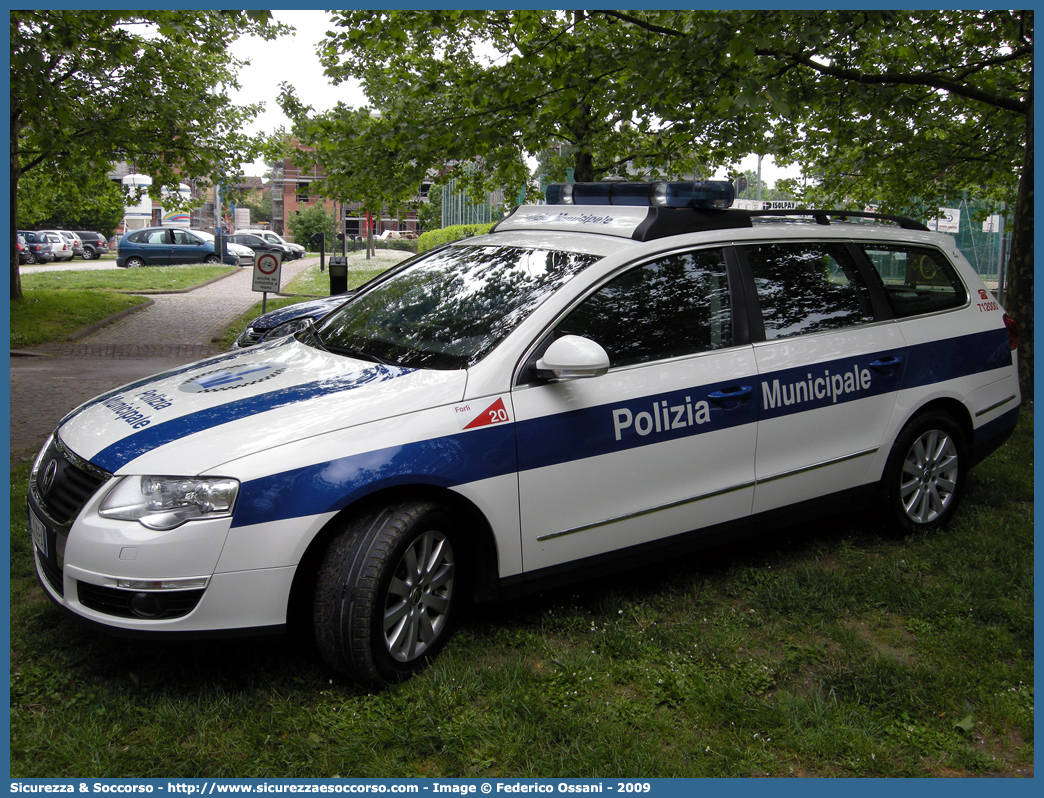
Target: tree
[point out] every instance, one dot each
(359, 158)
(311, 221)
(92, 87)
(70, 202)
(456, 87)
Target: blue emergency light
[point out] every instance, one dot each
(706, 194)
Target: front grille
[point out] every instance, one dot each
(250, 336)
(62, 483)
(112, 601)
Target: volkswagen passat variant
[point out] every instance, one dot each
(621, 374)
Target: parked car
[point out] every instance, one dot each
(38, 245)
(296, 250)
(25, 255)
(60, 245)
(287, 320)
(594, 384)
(167, 246)
(259, 244)
(94, 244)
(75, 241)
(244, 254)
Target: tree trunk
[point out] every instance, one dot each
(16, 277)
(1019, 299)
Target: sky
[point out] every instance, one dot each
(293, 59)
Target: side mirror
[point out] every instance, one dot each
(572, 357)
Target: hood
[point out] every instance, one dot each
(193, 419)
(314, 308)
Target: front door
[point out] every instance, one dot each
(662, 444)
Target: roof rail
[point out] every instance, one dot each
(823, 217)
(663, 222)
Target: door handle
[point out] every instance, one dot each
(731, 394)
(886, 362)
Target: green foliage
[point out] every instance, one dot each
(149, 87)
(313, 220)
(436, 238)
(358, 157)
(260, 205)
(48, 200)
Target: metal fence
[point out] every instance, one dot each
(459, 208)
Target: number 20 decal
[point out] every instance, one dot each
(472, 416)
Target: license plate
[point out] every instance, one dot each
(39, 530)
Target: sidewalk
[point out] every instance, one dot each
(174, 330)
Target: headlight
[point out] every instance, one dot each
(167, 502)
(289, 328)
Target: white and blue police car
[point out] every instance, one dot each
(621, 374)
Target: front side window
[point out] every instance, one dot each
(671, 307)
(449, 309)
(916, 279)
(808, 287)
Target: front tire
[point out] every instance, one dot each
(386, 592)
(924, 477)
(210, 260)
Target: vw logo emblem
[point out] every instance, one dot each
(47, 480)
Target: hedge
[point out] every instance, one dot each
(436, 238)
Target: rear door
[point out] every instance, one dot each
(154, 246)
(829, 369)
(664, 442)
(188, 248)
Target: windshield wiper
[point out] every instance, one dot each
(359, 354)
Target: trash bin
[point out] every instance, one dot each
(338, 275)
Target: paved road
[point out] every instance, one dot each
(48, 381)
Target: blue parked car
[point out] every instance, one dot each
(166, 246)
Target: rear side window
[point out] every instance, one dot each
(674, 306)
(808, 287)
(916, 279)
(186, 239)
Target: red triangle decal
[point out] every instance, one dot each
(494, 414)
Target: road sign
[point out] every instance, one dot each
(267, 272)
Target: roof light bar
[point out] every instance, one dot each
(705, 194)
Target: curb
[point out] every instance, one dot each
(88, 330)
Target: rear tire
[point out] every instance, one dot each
(924, 477)
(134, 263)
(386, 592)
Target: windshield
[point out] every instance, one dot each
(448, 310)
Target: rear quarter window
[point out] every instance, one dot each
(916, 280)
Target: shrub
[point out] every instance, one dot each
(436, 238)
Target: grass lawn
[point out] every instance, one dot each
(44, 316)
(151, 279)
(56, 304)
(824, 650)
